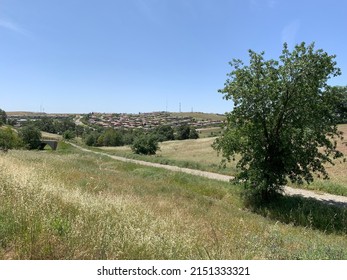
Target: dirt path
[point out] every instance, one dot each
(323, 197)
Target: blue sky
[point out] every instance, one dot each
(79, 56)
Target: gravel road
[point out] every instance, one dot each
(323, 197)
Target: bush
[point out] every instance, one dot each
(145, 144)
(91, 139)
(186, 132)
(193, 134)
(31, 136)
(3, 117)
(110, 137)
(164, 133)
(182, 132)
(9, 139)
(69, 134)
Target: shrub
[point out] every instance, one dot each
(31, 136)
(145, 144)
(186, 132)
(164, 133)
(91, 139)
(8, 139)
(3, 117)
(193, 134)
(69, 134)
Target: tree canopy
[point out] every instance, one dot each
(31, 136)
(3, 117)
(283, 122)
(339, 93)
(145, 144)
(9, 139)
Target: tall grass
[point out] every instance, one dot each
(71, 205)
(192, 153)
(199, 154)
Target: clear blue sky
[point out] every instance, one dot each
(79, 56)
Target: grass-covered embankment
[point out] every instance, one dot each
(73, 205)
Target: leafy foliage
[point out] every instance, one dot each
(9, 139)
(164, 133)
(283, 123)
(193, 134)
(145, 144)
(121, 137)
(69, 134)
(31, 136)
(186, 132)
(339, 94)
(3, 117)
(58, 126)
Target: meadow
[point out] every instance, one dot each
(199, 154)
(73, 205)
(190, 153)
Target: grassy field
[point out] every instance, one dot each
(199, 154)
(209, 132)
(73, 205)
(200, 116)
(191, 153)
(47, 135)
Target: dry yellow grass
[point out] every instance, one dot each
(193, 153)
(200, 116)
(198, 150)
(47, 135)
(201, 153)
(83, 206)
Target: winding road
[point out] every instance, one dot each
(323, 197)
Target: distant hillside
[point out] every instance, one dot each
(22, 114)
(200, 116)
(25, 114)
(196, 115)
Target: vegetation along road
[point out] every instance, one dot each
(323, 197)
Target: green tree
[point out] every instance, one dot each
(339, 95)
(8, 139)
(145, 144)
(164, 133)
(193, 134)
(3, 117)
(91, 138)
(282, 123)
(182, 132)
(31, 136)
(69, 134)
(79, 130)
(46, 124)
(111, 137)
(185, 131)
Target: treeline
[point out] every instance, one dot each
(64, 126)
(28, 137)
(142, 141)
(121, 137)
(29, 134)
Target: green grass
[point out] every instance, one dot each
(209, 132)
(73, 205)
(198, 154)
(193, 153)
